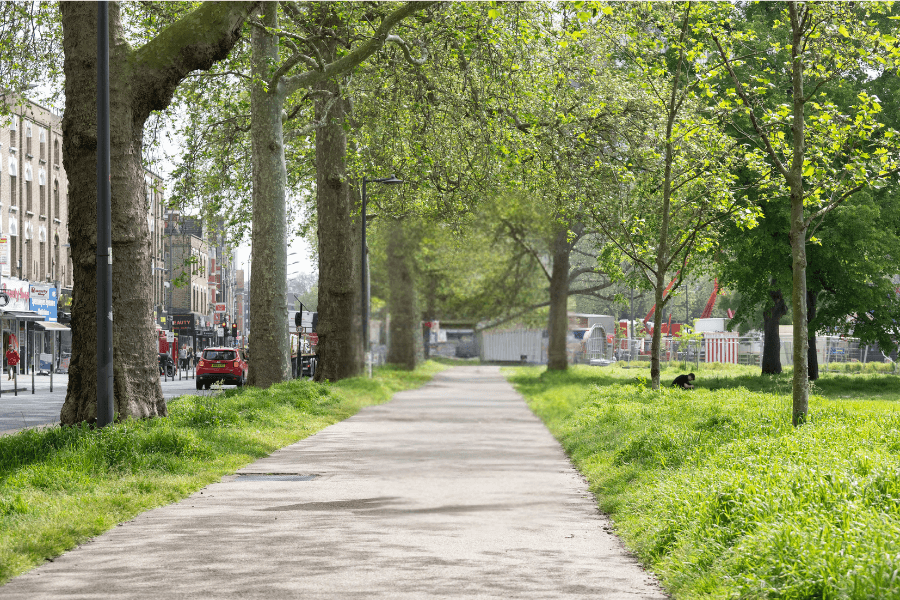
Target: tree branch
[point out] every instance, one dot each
(356, 56)
(396, 39)
(195, 42)
(760, 131)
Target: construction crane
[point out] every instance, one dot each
(666, 291)
(707, 310)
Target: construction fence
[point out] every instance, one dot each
(598, 347)
(727, 347)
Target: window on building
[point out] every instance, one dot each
(29, 259)
(56, 152)
(42, 273)
(55, 268)
(43, 153)
(28, 206)
(43, 199)
(14, 256)
(12, 190)
(28, 139)
(56, 199)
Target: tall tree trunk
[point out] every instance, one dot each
(404, 328)
(771, 355)
(339, 300)
(269, 341)
(656, 338)
(798, 304)
(812, 356)
(794, 179)
(141, 81)
(558, 326)
(136, 390)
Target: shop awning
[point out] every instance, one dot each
(50, 326)
(22, 315)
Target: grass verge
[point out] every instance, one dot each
(718, 493)
(60, 486)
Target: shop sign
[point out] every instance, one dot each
(183, 324)
(43, 301)
(221, 307)
(18, 292)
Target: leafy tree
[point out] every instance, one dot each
(302, 55)
(807, 149)
(433, 124)
(678, 179)
(332, 43)
(30, 47)
(559, 252)
(563, 113)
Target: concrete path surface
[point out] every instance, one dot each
(454, 490)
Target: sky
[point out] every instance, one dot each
(302, 262)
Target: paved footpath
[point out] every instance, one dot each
(454, 490)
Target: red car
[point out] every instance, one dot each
(221, 364)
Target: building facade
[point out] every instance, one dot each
(154, 197)
(33, 197)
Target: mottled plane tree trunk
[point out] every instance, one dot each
(273, 84)
(339, 288)
(269, 341)
(404, 327)
(142, 80)
(558, 321)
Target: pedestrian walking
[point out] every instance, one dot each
(12, 359)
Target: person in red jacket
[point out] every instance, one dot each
(12, 359)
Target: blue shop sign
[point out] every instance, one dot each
(43, 302)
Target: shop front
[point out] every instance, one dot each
(183, 326)
(17, 329)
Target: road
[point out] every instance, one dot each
(27, 409)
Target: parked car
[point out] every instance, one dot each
(221, 364)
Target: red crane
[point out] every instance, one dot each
(665, 291)
(707, 311)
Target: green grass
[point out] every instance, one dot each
(62, 485)
(718, 493)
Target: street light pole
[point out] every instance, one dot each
(364, 269)
(105, 401)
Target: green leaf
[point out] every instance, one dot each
(843, 31)
(493, 13)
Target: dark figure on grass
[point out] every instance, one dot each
(684, 381)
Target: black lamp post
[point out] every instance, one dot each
(105, 399)
(364, 266)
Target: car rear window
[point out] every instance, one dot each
(218, 354)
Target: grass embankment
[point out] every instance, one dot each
(62, 485)
(718, 493)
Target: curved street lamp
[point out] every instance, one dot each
(364, 268)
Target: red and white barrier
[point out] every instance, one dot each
(721, 346)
